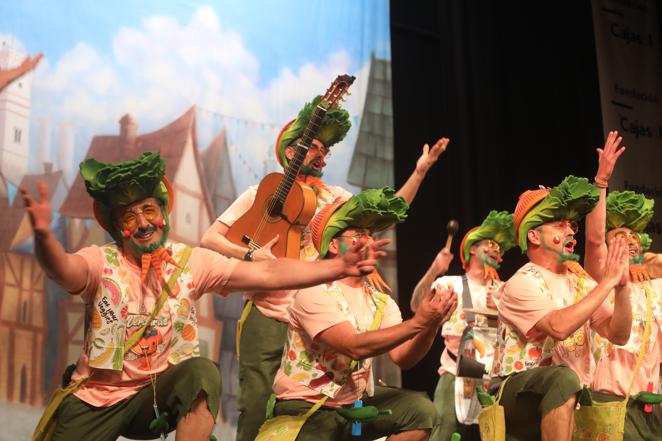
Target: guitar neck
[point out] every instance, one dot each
(301, 150)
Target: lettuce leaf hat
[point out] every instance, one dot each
(629, 209)
(114, 185)
(374, 209)
(333, 129)
(498, 226)
(572, 199)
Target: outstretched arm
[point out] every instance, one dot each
(68, 270)
(439, 267)
(425, 161)
(284, 273)
(595, 254)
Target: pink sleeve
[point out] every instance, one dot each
(392, 315)
(211, 270)
(93, 258)
(314, 310)
(523, 304)
(240, 206)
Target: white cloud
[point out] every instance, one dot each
(158, 70)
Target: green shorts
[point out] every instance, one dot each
(176, 389)
(639, 425)
(411, 410)
(532, 394)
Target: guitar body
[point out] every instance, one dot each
(299, 208)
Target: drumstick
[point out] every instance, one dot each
(452, 228)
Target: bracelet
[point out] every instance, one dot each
(600, 182)
(248, 257)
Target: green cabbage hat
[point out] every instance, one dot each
(333, 129)
(572, 199)
(374, 209)
(114, 185)
(498, 226)
(629, 209)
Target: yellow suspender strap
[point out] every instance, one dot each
(240, 324)
(376, 321)
(644, 339)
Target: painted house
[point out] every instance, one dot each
(24, 324)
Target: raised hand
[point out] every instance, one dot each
(361, 258)
(430, 155)
(264, 253)
(39, 211)
(608, 155)
(616, 268)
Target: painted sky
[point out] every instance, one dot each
(248, 65)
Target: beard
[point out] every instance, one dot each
(139, 249)
(487, 260)
(307, 170)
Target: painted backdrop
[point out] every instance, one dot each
(209, 84)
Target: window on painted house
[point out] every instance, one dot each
(17, 136)
(188, 218)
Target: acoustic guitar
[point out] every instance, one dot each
(282, 205)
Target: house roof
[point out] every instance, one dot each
(372, 161)
(218, 172)
(170, 141)
(15, 227)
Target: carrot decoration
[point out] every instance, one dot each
(376, 281)
(154, 260)
(638, 273)
(491, 273)
(576, 268)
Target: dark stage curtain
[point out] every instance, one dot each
(515, 87)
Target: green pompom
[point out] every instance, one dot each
(160, 424)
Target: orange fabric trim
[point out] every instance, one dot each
(639, 273)
(576, 268)
(312, 182)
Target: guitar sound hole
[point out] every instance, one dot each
(273, 208)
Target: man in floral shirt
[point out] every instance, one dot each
(335, 329)
(542, 346)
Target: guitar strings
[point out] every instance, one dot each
(289, 177)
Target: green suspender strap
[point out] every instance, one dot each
(46, 426)
(492, 419)
(606, 421)
(287, 427)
